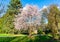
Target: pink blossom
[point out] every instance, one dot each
(29, 15)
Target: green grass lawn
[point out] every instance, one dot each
(24, 38)
(10, 37)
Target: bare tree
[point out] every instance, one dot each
(2, 7)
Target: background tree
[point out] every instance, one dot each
(29, 19)
(53, 19)
(44, 19)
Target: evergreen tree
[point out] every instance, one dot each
(7, 19)
(14, 6)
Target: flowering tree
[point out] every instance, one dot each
(29, 18)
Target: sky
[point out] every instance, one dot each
(39, 3)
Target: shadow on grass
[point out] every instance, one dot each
(36, 39)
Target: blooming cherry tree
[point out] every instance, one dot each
(29, 17)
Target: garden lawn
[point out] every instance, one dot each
(25, 38)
